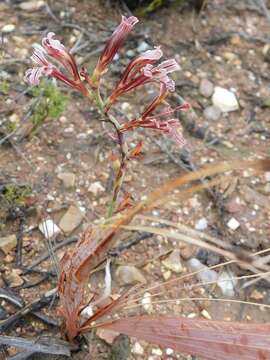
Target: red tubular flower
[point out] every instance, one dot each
(142, 71)
(170, 127)
(54, 49)
(114, 43)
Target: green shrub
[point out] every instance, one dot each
(49, 102)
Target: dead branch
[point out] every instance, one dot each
(46, 345)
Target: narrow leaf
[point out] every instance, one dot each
(211, 340)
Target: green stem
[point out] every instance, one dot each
(123, 150)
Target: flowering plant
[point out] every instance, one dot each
(52, 59)
(142, 70)
(209, 339)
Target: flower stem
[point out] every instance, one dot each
(123, 152)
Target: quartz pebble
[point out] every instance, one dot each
(233, 224)
(96, 188)
(49, 228)
(32, 5)
(143, 47)
(225, 100)
(147, 303)
(137, 349)
(201, 224)
(8, 28)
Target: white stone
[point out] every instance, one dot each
(201, 224)
(147, 303)
(225, 100)
(143, 47)
(206, 314)
(8, 28)
(233, 224)
(137, 349)
(227, 283)
(49, 228)
(267, 176)
(169, 351)
(32, 5)
(96, 188)
(157, 351)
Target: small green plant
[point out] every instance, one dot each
(4, 87)
(49, 103)
(16, 195)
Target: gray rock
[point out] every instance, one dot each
(173, 262)
(205, 274)
(206, 88)
(225, 100)
(212, 113)
(71, 219)
(67, 178)
(128, 275)
(8, 243)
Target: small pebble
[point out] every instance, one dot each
(212, 113)
(157, 352)
(201, 224)
(8, 28)
(233, 224)
(49, 228)
(206, 88)
(137, 349)
(147, 303)
(143, 47)
(225, 100)
(206, 314)
(267, 176)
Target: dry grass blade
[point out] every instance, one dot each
(192, 286)
(77, 263)
(170, 234)
(211, 340)
(189, 275)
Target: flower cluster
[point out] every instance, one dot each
(53, 49)
(144, 69)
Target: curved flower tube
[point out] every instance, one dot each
(44, 67)
(114, 43)
(142, 71)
